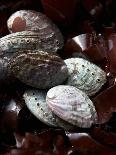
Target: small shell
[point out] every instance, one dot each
(72, 105)
(29, 20)
(40, 70)
(85, 75)
(36, 103)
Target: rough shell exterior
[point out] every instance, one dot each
(72, 105)
(85, 75)
(19, 41)
(40, 70)
(36, 103)
(25, 40)
(29, 20)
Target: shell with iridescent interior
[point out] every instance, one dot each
(72, 105)
(40, 69)
(36, 103)
(85, 75)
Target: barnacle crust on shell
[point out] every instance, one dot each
(49, 34)
(40, 69)
(85, 75)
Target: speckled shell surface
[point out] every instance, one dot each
(40, 70)
(72, 105)
(25, 40)
(29, 20)
(36, 103)
(19, 41)
(85, 75)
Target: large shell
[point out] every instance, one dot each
(72, 105)
(17, 42)
(29, 20)
(36, 103)
(40, 70)
(85, 75)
